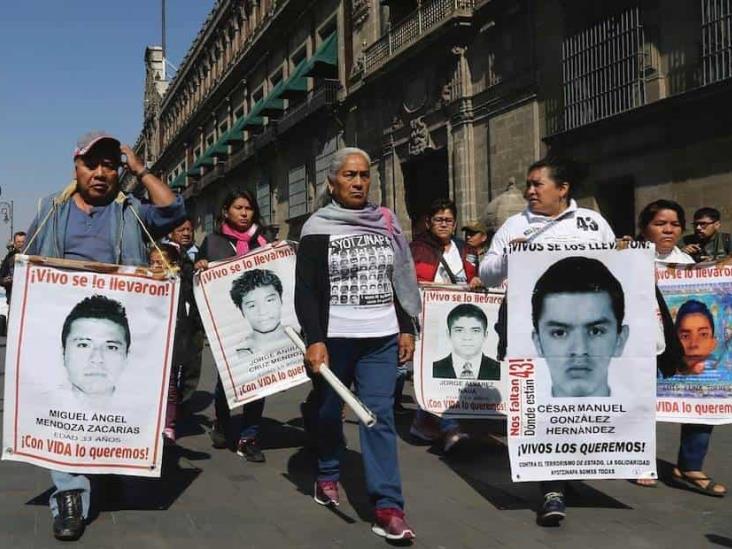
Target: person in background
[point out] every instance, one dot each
(239, 232)
(662, 222)
(92, 220)
(165, 258)
(8, 264)
(182, 237)
(439, 257)
(707, 242)
(476, 236)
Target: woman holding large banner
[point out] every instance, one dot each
(355, 296)
(551, 216)
(662, 222)
(239, 232)
(438, 257)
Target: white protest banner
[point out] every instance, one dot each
(456, 373)
(699, 298)
(245, 304)
(582, 335)
(88, 366)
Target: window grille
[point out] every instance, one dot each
(322, 163)
(716, 40)
(297, 191)
(603, 68)
(264, 201)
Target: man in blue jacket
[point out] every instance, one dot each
(92, 220)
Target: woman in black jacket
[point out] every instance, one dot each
(239, 232)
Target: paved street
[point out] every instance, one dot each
(211, 498)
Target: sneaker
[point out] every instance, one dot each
(453, 439)
(326, 493)
(249, 450)
(425, 430)
(390, 524)
(553, 510)
(68, 525)
(218, 436)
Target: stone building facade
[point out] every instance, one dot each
(450, 98)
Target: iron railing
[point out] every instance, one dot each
(430, 14)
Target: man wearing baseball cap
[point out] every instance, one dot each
(92, 220)
(476, 236)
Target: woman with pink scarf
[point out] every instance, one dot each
(239, 232)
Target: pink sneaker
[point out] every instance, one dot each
(390, 524)
(326, 493)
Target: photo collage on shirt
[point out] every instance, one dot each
(360, 269)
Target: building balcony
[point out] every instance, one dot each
(429, 17)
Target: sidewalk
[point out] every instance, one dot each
(211, 498)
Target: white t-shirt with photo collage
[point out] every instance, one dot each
(361, 297)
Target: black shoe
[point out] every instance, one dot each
(218, 436)
(400, 410)
(249, 450)
(553, 510)
(68, 525)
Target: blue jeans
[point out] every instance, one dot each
(694, 446)
(371, 364)
(70, 481)
(251, 413)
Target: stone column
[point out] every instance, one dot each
(462, 140)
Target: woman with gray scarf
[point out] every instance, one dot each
(356, 296)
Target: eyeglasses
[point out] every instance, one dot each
(703, 224)
(443, 220)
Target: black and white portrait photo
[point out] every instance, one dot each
(467, 327)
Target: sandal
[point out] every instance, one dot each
(692, 483)
(645, 482)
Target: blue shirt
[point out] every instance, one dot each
(88, 237)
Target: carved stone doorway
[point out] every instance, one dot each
(426, 178)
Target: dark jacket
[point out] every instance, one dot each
(218, 246)
(718, 247)
(427, 251)
(6, 271)
(312, 290)
(489, 368)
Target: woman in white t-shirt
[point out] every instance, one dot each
(662, 223)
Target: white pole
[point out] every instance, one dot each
(366, 416)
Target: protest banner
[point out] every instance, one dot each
(699, 298)
(87, 366)
(245, 304)
(581, 362)
(456, 373)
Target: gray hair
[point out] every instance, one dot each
(339, 158)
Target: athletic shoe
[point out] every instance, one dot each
(218, 436)
(390, 524)
(453, 439)
(326, 493)
(249, 450)
(425, 430)
(553, 510)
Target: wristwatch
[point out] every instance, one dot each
(142, 174)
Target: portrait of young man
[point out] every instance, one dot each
(695, 327)
(578, 309)
(96, 340)
(258, 295)
(467, 327)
